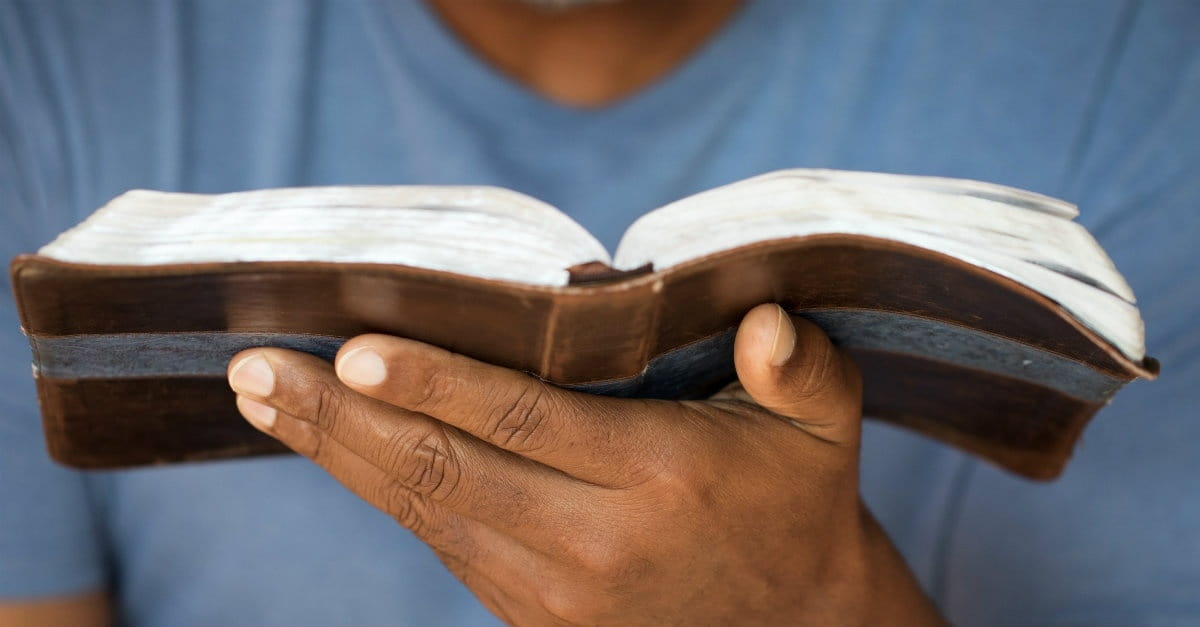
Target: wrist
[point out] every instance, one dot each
(889, 593)
(866, 582)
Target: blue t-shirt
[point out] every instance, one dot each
(1094, 101)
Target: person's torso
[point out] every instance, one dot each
(223, 96)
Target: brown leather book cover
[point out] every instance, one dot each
(130, 360)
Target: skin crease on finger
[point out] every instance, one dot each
(745, 509)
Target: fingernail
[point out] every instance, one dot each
(261, 416)
(252, 375)
(785, 338)
(362, 366)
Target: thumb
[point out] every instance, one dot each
(788, 366)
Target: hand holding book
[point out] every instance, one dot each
(979, 314)
(554, 505)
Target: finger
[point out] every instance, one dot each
(302, 403)
(593, 438)
(411, 509)
(493, 565)
(789, 366)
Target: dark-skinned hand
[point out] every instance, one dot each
(562, 508)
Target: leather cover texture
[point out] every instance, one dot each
(130, 360)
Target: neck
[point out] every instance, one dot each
(587, 56)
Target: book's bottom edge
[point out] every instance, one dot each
(1019, 425)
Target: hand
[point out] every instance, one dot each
(558, 507)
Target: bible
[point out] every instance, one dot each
(979, 314)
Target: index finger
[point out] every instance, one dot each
(596, 439)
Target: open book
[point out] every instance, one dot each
(979, 314)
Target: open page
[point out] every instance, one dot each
(1017, 234)
(486, 232)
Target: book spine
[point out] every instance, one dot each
(609, 329)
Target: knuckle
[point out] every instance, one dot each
(438, 386)
(672, 479)
(309, 442)
(326, 404)
(392, 450)
(401, 504)
(641, 470)
(452, 541)
(604, 559)
(427, 465)
(609, 567)
(673, 476)
(686, 489)
(458, 555)
(571, 606)
(519, 423)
